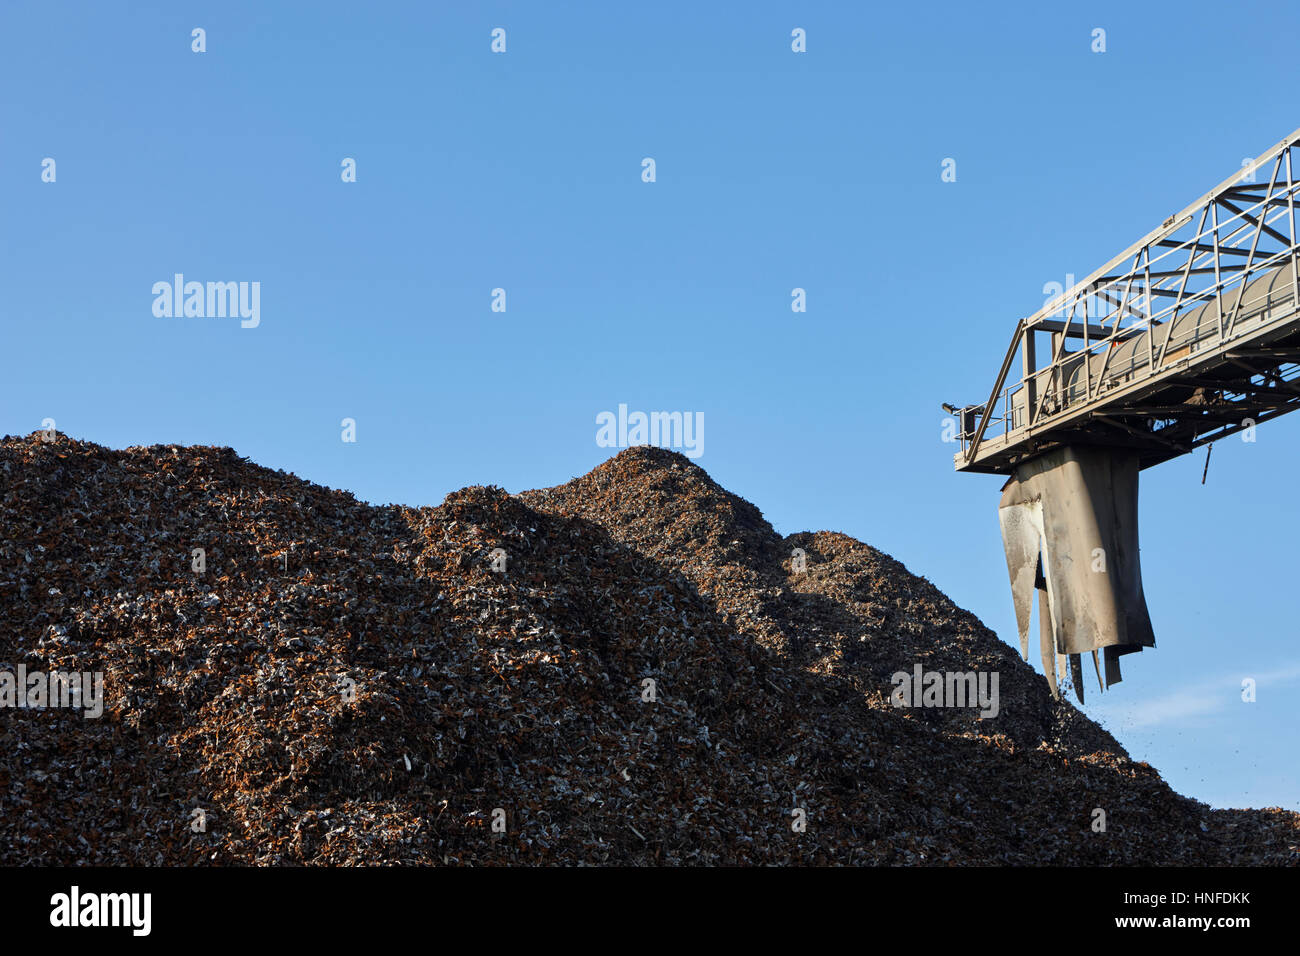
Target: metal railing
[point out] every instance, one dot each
(1203, 258)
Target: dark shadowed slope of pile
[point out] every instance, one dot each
(351, 684)
(824, 601)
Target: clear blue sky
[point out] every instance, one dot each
(775, 170)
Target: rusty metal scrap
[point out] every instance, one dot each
(1070, 531)
(343, 684)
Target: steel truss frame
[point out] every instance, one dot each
(1238, 377)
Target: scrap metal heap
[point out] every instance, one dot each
(1188, 336)
(650, 679)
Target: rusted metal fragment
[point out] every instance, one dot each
(1046, 640)
(1022, 534)
(1078, 507)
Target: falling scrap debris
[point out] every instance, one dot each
(632, 668)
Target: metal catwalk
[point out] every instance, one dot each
(1189, 335)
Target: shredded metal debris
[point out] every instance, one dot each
(632, 668)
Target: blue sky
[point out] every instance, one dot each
(774, 170)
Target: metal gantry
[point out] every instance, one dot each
(1190, 334)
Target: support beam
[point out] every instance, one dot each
(1075, 331)
(1266, 229)
(1148, 436)
(1286, 356)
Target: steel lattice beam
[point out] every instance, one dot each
(1187, 308)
